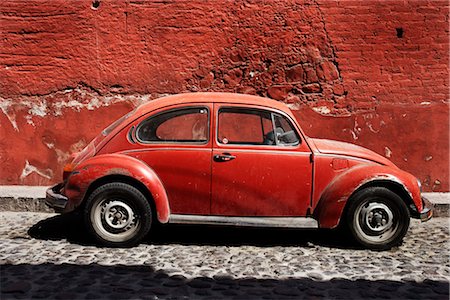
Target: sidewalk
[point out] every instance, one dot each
(31, 198)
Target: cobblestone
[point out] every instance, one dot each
(47, 256)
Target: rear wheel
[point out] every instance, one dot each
(118, 215)
(377, 218)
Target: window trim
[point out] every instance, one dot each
(269, 111)
(293, 128)
(208, 134)
(114, 125)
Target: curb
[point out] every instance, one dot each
(441, 203)
(23, 198)
(32, 199)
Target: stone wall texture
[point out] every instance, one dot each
(374, 73)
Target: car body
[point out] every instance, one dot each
(232, 159)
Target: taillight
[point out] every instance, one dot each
(68, 168)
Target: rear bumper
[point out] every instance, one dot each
(55, 199)
(426, 213)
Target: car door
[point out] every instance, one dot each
(261, 166)
(176, 144)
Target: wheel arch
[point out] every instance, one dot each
(335, 197)
(391, 185)
(123, 179)
(101, 169)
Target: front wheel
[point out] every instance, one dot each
(117, 215)
(377, 218)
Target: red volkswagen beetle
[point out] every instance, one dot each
(231, 159)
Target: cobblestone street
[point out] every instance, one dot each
(46, 256)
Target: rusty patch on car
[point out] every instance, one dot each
(117, 171)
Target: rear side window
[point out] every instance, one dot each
(187, 125)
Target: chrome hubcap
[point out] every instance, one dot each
(375, 221)
(378, 216)
(115, 219)
(117, 215)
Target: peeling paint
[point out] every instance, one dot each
(78, 146)
(95, 100)
(5, 106)
(29, 120)
(38, 109)
(356, 130)
(64, 157)
(29, 169)
(371, 120)
(50, 145)
(293, 106)
(387, 152)
(61, 156)
(371, 128)
(354, 135)
(323, 110)
(77, 99)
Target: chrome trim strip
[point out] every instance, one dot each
(285, 222)
(344, 156)
(259, 151)
(276, 151)
(165, 149)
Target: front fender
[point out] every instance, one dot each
(333, 199)
(101, 166)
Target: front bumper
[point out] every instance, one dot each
(55, 199)
(426, 213)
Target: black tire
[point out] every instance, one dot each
(377, 218)
(117, 215)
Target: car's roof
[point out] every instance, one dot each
(210, 97)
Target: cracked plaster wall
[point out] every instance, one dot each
(69, 68)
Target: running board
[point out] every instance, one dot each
(285, 222)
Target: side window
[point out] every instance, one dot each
(187, 125)
(285, 132)
(244, 126)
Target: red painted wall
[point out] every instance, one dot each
(374, 73)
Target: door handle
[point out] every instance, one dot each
(223, 157)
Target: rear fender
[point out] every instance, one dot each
(335, 196)
(97, 167)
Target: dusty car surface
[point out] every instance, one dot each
(231, 159)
